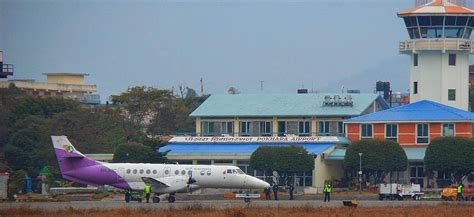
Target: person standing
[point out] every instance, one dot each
(327, 192)
(275, 191)
(460, 197)
(267, 193)
(291, 188)
(147, 192)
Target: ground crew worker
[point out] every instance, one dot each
(147, 192)
(327, 192)
(275, 191)
(290, 190)
(267, 193)
(460, 197)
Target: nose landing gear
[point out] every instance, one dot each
(172, 198)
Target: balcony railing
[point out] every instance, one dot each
(436, 45)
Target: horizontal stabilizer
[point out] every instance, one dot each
(155, 182)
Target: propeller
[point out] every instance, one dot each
(191, 180)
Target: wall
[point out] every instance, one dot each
(435, 76)
(66, 79)
(407, 132)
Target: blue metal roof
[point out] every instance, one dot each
(233, 148)
(271, 105)
(413, 153)
(424, 110)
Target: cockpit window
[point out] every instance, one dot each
(229, 171)
(234, 171)
(240, 171)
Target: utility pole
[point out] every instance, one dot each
(202, 87)
(360, 171)
(261, 86)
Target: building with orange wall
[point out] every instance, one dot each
(413, 126)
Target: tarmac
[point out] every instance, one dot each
(212, 204)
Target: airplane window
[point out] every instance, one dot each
(183, 172)
(190, 173)
(240, 171)
(208, 172)
(147, 171)
(135, 171)
(176, 172)
(129, 171)
(141, 171)
(167, 172)
(154, 171)
(202, 172)
(234, 171)
(229, 171)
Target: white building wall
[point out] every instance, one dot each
(435, 76)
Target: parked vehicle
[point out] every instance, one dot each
(395, 191)
(452, 194)
(134, 196)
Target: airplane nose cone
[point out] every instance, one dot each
(257, 183)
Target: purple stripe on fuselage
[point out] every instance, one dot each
(77, 168)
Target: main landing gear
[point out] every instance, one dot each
(171, 198)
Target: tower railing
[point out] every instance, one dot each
(436, 44)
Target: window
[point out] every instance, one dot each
(183, 172)
(154, 171)
(448, 129)
(203, 162)
(148, 171)
(281, 128)
(415, 59)
(190, 173)
(135, 171)
(227, 128)
(176, 172)
(451, 94)
(141, 171)
(208, 172)
(391, 132)
(422, 133)
(452, 59)
(366, 131)
(340, 127)
(265, 128)
(167, 172)
(129, 171)
(245, 128)
(323, 128)
(304, 128)
(417, 173)
(415, 87)
(202, 172)
(208, 128)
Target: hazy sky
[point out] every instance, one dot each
(321, 44)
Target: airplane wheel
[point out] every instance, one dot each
(171, 199)
(156, 199)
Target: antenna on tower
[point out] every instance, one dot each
(202, 87)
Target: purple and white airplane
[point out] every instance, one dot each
(163, 178)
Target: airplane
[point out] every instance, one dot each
(162, 178)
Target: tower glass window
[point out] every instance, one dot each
(452, 59)
(439, 26)
(452, 94)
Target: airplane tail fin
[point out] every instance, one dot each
(68, 157)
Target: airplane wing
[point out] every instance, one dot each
(155, 182)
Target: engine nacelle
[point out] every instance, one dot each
(177, 184)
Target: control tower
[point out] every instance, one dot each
(439, 49)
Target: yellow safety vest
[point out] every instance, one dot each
(327, 189)
(147, 189)
(459, 188)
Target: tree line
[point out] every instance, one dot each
(129, 126)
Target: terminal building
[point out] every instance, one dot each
(230, 127)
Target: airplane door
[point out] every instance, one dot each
(167, 171)
(120, 172)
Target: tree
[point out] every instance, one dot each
(133, 152)
(285, 160)
(452, 155)
(233, 90)
(41, 107)
(379, 157)
(140, 106)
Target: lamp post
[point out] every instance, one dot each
(360, 171)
